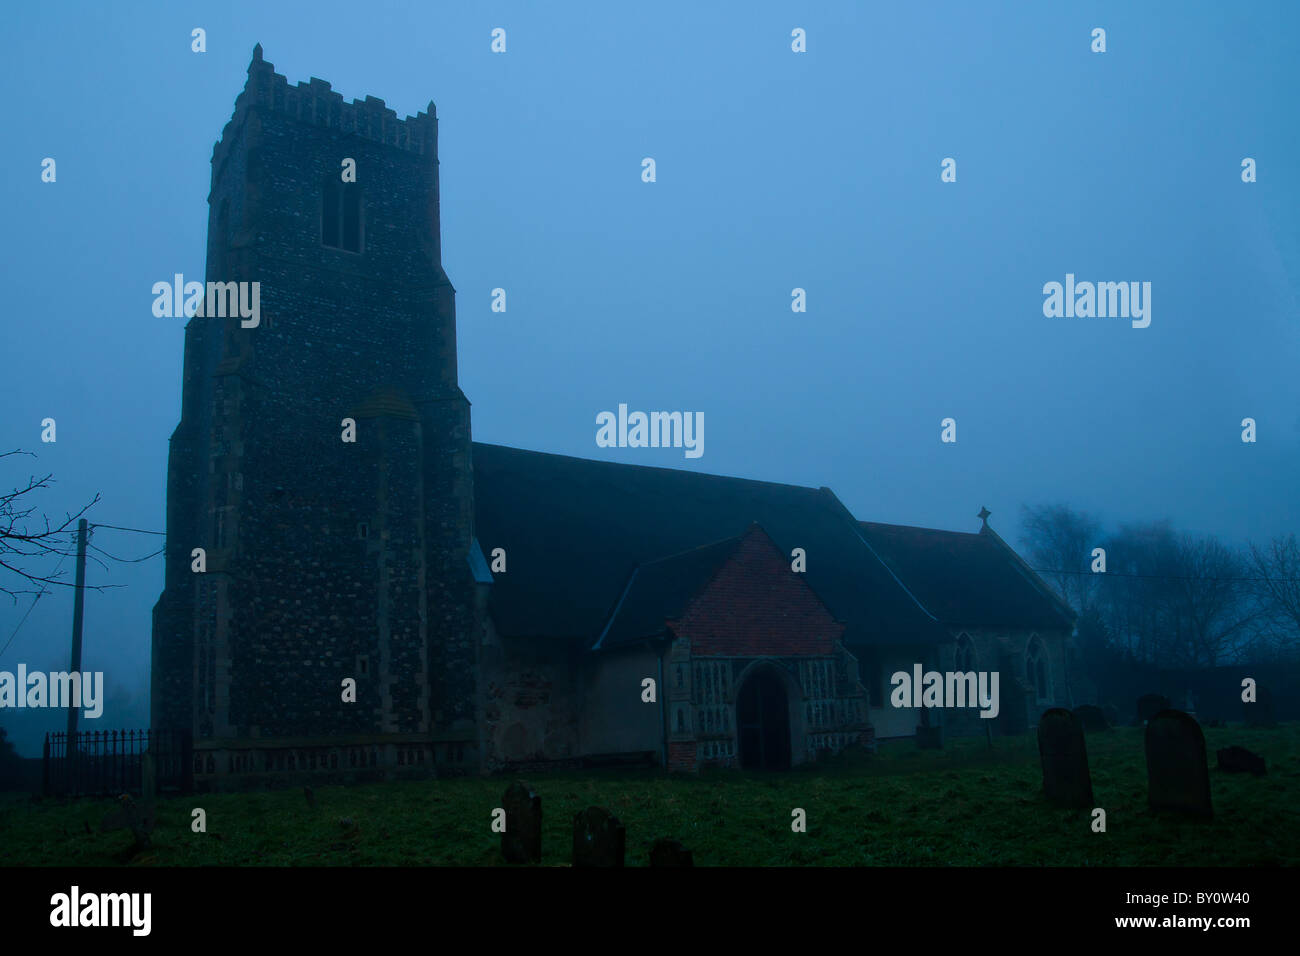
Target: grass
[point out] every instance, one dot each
(965, 805)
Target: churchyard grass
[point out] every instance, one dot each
(964, 805)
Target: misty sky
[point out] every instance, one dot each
(775, 170)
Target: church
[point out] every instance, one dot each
(357, 589)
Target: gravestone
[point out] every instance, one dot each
(138, 818)
(1240, 760)
(522, 840)
(598, 838)
(1091, 717)
(1178, 777)
(1259, 713)
(666, 852)
(1111, 713)
(1148, 705)
(1066, 781)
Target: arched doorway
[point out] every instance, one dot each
(763, 722)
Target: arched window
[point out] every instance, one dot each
(965, 656)
(1036, 670)
(341, 220)
(254, 167)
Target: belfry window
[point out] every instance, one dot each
(341, 226)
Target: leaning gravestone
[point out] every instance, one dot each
(1178, 777)
(522, 840)
(1066, 781)
(598, 838)
(666, 852)
(1091, 717)
(1149, 705)
(1259, 712)
(1240, 760)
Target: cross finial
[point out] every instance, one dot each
(984, 516)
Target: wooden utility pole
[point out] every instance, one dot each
(78, 615)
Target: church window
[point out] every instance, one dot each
(341, 225)
(363, 531)
(965, 656)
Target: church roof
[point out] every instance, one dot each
(967, 579)
(660, 590)
(574, 530)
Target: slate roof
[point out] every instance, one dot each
(967, 579)
(659, 591)
(575, 529)
(593, 546)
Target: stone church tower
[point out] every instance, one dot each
(326, 559)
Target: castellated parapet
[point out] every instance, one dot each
(318, 105)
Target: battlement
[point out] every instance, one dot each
(315, 103)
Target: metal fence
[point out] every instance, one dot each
(109, 762)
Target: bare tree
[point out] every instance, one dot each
(1138, 603)
(1059, 541)
(1177, 600)
(1277, 569)
(28, 538)
(1214, 603)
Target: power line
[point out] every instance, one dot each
(128, 560)
(96, 524)
(45, 584)
(39, 594)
